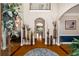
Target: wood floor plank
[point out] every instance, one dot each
(67, 48)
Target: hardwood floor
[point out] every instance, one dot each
(17, 50)
(62, 50)
(5, 52)
(66, 48)
(14, 47)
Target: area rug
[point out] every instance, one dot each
(41, 52)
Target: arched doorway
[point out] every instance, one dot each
(39, 29)
(70, 25)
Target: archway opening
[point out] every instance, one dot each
(69, 23)
(40, 29)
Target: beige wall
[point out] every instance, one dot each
(48, 16)
(57, 10)
(64, 7)
(72, 14)
(63, 31)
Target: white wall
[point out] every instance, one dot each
(48, 16)
(64, 7)
(63, 31)
(72, 14)
(57, 10)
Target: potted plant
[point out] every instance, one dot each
(8, 22)
(75, 47)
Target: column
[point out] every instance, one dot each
(33, 40)
(45, 37)
(48, 37)
(23, 39)
(46, 27)
(26, 35)
(21, 33)
(58, 39)
(29, 37)
(54, 32)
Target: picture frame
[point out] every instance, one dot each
(40, 6)
(70, 24)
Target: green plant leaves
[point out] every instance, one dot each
(75, 47)
(76, 53)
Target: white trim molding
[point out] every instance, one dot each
(40, 10)
(66, 42)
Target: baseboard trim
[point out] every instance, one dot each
(66, 43)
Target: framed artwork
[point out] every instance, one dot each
(40, 6)
(70, 24)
